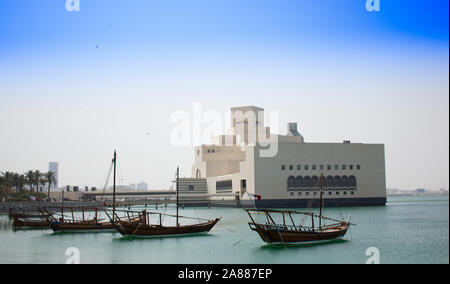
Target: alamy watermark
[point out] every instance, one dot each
(73, 5)
(246, 126)
(374, 255)
(73, 254)
(373, 5)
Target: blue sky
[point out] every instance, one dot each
(128, 61)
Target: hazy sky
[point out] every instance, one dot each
(74, 86)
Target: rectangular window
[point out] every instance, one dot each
(329, 167)
(299, 167)
(321, 167)
(313, 167)
(343, 167)
(291, 167)
(243, 183)
(336, 167)
(351, 167)
(224, 185)
(358, 167)
(283, 167)
(191, 187)
(306, 167)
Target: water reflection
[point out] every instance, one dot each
(287, 246)
(149, 238)
(5, 223)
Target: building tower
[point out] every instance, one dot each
(53, 167)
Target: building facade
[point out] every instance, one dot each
(263, 169)
(54, 167)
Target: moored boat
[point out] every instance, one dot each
(279, 226)
(24, 223)
(143, 227)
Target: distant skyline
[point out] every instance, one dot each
(74, 86)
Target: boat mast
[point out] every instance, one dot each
(62, 205)
(320, 212)
(178, 174)
(114, 186)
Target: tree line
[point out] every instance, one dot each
(14, 183)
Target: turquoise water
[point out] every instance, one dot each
(407, 230)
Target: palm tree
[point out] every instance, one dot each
(36, 179)
(50, 179)
(21, 181)
(8, 181)
(2, 183)
(30, 179)
(16, 178)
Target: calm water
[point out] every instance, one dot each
(407, 230)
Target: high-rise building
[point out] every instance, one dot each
(142, 186)
(53, 167)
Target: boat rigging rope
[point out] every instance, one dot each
(243, 238)
(107, 181)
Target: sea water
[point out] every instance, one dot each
(406, 230)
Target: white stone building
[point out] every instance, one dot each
(287, 173)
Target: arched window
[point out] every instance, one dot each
(344, 181)
(329, 181)
(291, 183)
(352, 182)
(336, 181)
(314, 181)
(298, 182)
(198, 174)
(306, 182)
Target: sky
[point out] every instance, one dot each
(76, 85)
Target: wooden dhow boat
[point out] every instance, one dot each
(280, 226)
(31, 221)
(23, 214)
(145, 228)
(34, 223)
(87, 225)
